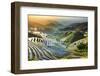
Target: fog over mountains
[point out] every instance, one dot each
(53, 23)
(67, 24)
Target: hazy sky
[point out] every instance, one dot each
(51, 22)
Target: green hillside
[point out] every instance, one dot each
(76, 41)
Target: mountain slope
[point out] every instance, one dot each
(74, 32)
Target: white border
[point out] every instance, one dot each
(25, 64)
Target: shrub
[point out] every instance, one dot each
(82, 46)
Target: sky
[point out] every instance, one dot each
(46, 23)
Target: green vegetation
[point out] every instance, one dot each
(77, 46)
(82, 46)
